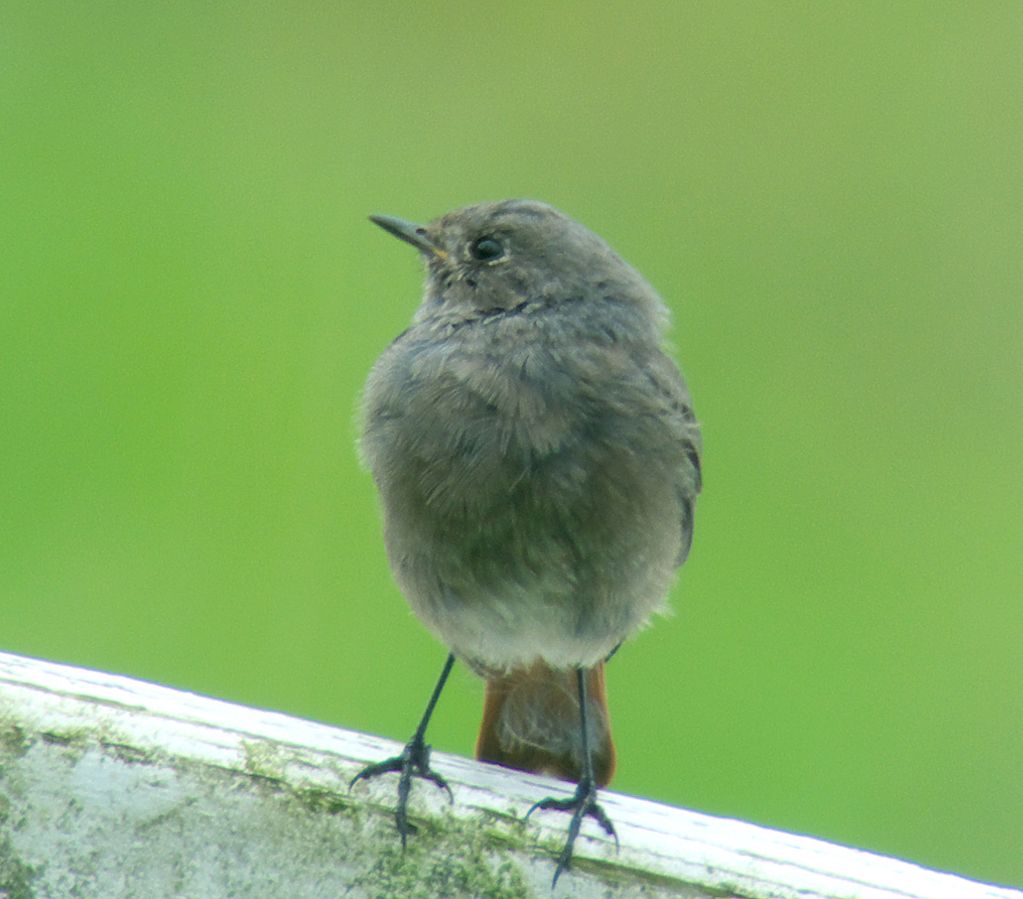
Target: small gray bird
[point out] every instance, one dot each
(538, 461)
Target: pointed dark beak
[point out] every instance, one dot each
(410, 233)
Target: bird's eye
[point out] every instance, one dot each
(486, 249)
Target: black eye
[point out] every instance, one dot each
(486, 249)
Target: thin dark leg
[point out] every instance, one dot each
(414, 761)
(584, 802)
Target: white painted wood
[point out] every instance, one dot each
(114, 787)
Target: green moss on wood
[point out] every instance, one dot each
(14, 741)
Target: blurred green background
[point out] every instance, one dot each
(829, 196)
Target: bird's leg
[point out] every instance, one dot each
(414, 761)
(583, 803)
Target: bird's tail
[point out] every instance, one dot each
(531, 722)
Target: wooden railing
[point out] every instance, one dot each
(111, 787)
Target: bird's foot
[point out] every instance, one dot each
(414, 761)
(583, 804)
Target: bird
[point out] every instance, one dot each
(537, 460)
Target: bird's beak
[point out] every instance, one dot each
(410, 233)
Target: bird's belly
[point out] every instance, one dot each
(517, 558)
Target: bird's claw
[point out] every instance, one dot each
(582, 804)
(414, 761)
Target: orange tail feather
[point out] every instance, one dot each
(531, 723)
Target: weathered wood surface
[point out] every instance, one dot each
(112, 787)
